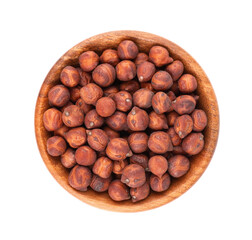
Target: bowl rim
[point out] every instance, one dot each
(151, 39)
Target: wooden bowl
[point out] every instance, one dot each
(208, 103)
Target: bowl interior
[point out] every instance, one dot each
(207, 102)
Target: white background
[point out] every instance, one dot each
(34, 34)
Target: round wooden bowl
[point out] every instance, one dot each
(207, 102)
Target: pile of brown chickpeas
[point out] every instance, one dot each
(125, 121)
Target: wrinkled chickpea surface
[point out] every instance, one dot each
(125, 122)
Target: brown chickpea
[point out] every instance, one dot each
(158, 165)
(175, 69)
(61, 131)
(140, 58)
(85, 156)
(105, 106)
(175, 88)
(140, 193)
(160, 142)
(160, 184)
(91, 93)
(52, 119)
(138, 142)
(130, 86)
(76, 137)
(127, 49)
(73, 116)
(161, 102)
(199, 120)
(159, 56)
(178, 150)
(145, 71)
(70, 76)
(110, 91)
(148, 86)
(118, 191)
(171, 95)
(193, 143)
(99, 184)
(171, 117)
(176, 140)
(161, 81)
(111, 133)
(68, 159)
(187, 83)
(56, 146)
(58, 96)
(80, 178)
(85, 77)
(88, 61)
(178, 166)
(118, 149)
(123, 101)
(142, 98)
(93, 120)
(133, 175)
(184, 104)
(110, 56)
(118, 121)
(125, 70)
(103, 167)
(83, 106)
(119, 166)
(141, 160)
(104, 75)
(97, 139)
(157, 121)
(75, 93)
(137, 119)
(183, 125)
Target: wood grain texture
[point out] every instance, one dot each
(208, 103)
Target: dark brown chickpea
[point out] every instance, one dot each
(76, 137)
(105, 106)
(73, 116)
(123, 101)
(161, 81)
(68, 159)
(110, 56)
(70, 76)
(157, 121)
(148, 86)
(171, 95)
(175, 88)
(80, 178)
(140, 58)
(187, 83)
(65, 106)
(118, 121)
(142, 98)
(61, 131)
(103, 167)
(99, 184)
(75, 93)
(175, 69)
(193, 143)
(104, 75)
(158, 165)
(83, 106)
(91, 93)
(85, 156)
(184, 104)
(133, 175)
(171, 117)
(118, 191)
(93, 120)
(178, 150)
(161, 102)
(140, 193)
(176, 140)
(199, 120)
(130, 86)
(118, 149)
(178, 166)
(119, 166)
(159, 56)
(183, 125)
(196, 97)
(138, 142)
(97, 139)
(52, 119)
(110, 91)
(58, 96)
(160, 142)
(56, 146)
(160, 184)
(88, 61)
(145, 71)
(137, 119)
(85, 77)
(127, 49)
(111, 133)
(141, 160)
(125, 70)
